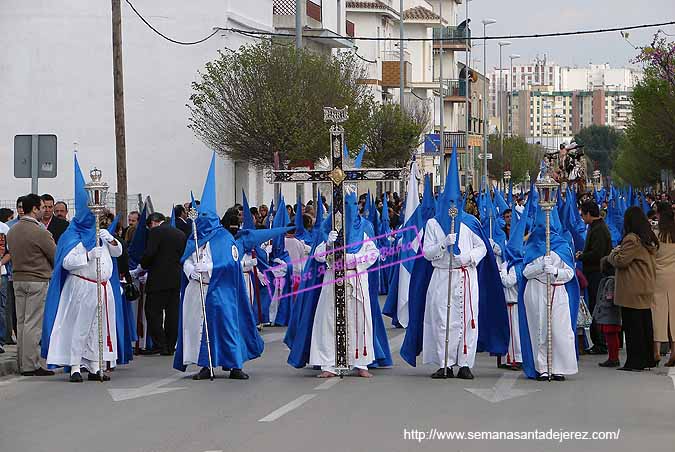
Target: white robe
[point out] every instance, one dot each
(359, 317)
(74, 338)
(564, 347)
(463, 304)
(510, 283)
(404, 284)
(193, 316)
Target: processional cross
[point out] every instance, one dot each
(338, 175)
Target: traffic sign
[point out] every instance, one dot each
(489, 156)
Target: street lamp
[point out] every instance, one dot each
(485, 22)
(510, 110)
(466, 93)
(502, 44)
(597, 179)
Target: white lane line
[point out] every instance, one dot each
(329, 383)
(290, 406)
(273, 337)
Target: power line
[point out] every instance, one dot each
(461, 39)
(183, 43)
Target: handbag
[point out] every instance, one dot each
(584, 317)
(131, 293)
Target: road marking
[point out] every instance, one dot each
(121, 394)
(671, 374)
(273, 337)
(290, 406)
(329, 383)
(502, 390)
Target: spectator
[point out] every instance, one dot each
(161, 259)
(634, 261)
(6, 215)
(61, 210)
(132, 221)
(663, 309)
(32, 249)
(4, 281)
(182, 221)
(55, 225)
(263, 210)
(10, 308)
(19, 212)
(598, 245)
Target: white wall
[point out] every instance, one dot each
(56, 77)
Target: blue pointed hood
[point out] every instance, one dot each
(384, 218)
(359, 158)
(515, 247)
(428, 206)
(536, 244)
(172, 221)
(280, 220)
(509, 199)
(83, 226)
(248, 222)
(300, 232)
(451, 196)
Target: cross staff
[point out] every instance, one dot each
(338, 175)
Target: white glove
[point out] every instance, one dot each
(462, 260)
(279, 272)
(549, 268)
(95, 253)
(106, 236)
(332, 237)
(203, 267)
(143, 278)
(450, 239)
(496, 249)
(136, 271)
(194, 275)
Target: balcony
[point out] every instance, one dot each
(454, 90)
(391, 74)
(454, 38)
(313, 29)
(459, 139)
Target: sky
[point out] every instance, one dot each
(547, 16)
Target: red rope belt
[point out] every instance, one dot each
(467, 282)
(105, 298)
(359, 291)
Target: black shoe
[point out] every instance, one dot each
(596, 350)
(226, 369)
(516, 366)
(465, 373)
(504, 366)
(166, 352)
(40, 372)
(149, 352)
(10, 342)
(76, 378)
(238, 374)
(629, 369)
(542, 377)
(610, 363)
(441, 374)
(203, 374)
(558, 377)
(97, 377)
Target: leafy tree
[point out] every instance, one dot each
(267, 98)
(519, 157)
(601, 144)
(650, 138)
(395, 133)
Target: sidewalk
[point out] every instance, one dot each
(8, 361)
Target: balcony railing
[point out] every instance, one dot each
(453, 37)
(287, 8)
(454, 90)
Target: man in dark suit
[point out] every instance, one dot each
(161, 259)
(182, 221)
(54, 224)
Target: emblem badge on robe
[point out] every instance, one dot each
(235, 253)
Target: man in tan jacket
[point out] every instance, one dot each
(33, 249)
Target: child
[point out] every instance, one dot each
(607, 315)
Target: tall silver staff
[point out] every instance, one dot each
(192, 214)
(453, 214)
(547, 189)
(97, 191)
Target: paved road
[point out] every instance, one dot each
(149, 407)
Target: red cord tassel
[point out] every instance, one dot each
(357, 353)
(465, 349)
(365, 352)
(473, 324)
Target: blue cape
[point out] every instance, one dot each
(535, 248)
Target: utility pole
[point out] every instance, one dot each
(442, 97)
(118, 95)
(298, 24)
(400, 51)
(486, 114)
(467, 112)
